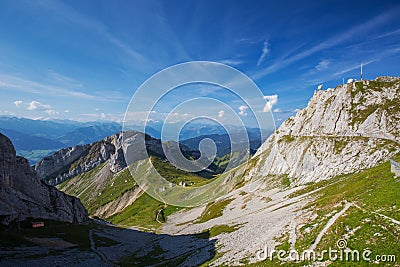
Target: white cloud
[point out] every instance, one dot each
(395, 32)
(28, 86)
(143, 116)
(74, 16)
(232, 62)
(277, 110)
(242, 111)
(175, 117)
(264, 53)
(354, 67)
(272, 100)
(146, 116)
(35, 105)
(17, 103)
(66, 111)
(248, 40)
(297, 110)
(367, 26)
(6, 112)
(322, 65)
(61, 78)
(116, 117)
(221, 113)
(51, 112)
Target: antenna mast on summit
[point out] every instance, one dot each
(361, 73)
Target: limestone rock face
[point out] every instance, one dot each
(342, 130)
(368, 108)
(69, 162)
(23, 195)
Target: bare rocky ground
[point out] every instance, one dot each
(262, 217)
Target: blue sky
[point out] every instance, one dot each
(83, 60)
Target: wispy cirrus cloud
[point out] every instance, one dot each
(24, 85)
(322, 65)
(248, 40)
(388, 34)
(264, 53)
(232, 62)
(73, 16)
(331, 42)
(57, 77)
(353, 67)
(8, 81)
(374, 58)
(341, 69)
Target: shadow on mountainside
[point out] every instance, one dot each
(97, 244)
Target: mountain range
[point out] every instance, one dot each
(321, 181)
(35, 139)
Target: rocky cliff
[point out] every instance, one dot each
(23, 195)
(346, 131)
(69, 162)
(72, 161)
(342, 130)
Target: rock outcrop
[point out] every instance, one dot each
(72, 161)
(342, 130)
(23, 194)
(367, 108)
(69, 162)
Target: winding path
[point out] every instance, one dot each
(329, 224)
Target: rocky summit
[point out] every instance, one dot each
(23, 195)
(72, 161)
(322, 176)
(342, 130)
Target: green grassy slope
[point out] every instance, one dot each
(142, 213)
(390, 106)
(93, 193)
(99, 186)
(374, 198)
